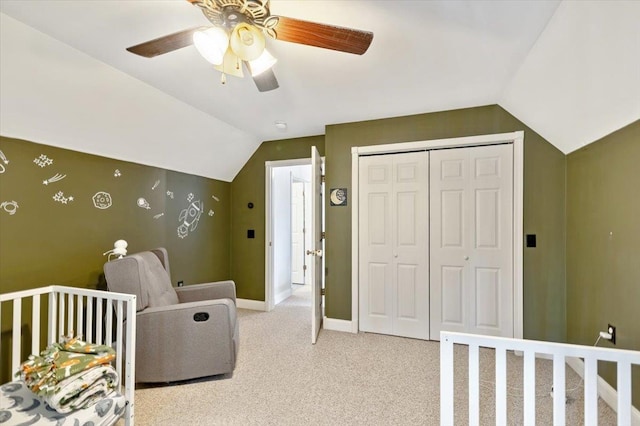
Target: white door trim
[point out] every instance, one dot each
(517, 139)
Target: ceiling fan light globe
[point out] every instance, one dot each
(212, 44)
(247, 42)
(263, 63)
(230, 65)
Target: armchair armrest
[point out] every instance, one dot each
(207, 291)
(185, 340)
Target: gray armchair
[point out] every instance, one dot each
(182, 333)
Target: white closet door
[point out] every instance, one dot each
(394, 286)
(471, 226)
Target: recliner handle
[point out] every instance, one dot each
(200, 316)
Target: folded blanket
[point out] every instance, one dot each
(82, 390)
(61, 360)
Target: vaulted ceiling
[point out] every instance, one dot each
(570, 70)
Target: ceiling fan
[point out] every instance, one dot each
(237, 37)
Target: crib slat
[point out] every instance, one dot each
(79, 307)
(16, 340)
(590, 391)
(501, 386)
(61, 310)
(559, 396)
(474, 383)
(99, 321)
(70, 330)
(529, 388)
(446, 382)
(119, 320)
(624, 393)
(108, 338)
(35, 325)
(89, 320)
(51, 332)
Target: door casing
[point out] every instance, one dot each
(515, 138)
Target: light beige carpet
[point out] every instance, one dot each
(345, 379)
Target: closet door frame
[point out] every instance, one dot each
(515, 138)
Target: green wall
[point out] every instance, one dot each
(48, 242)
(248, 255)
(544, 275)
(603, 244)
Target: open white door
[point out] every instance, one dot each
(316, 247)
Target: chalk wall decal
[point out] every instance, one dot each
(158, 216)
(170, 194)
(215, 198)
(190, 197)
(102, 200)
(189, 218)
(155, 185)
(116, 173)
(9, 206)
(43, 161)
(4, 160)
(142, 203)
(211, 212)
(60, 198)
(55, 178)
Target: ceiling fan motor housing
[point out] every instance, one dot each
(228, 13)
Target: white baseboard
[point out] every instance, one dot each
(283, 295)
(254, 305)
(337, 325)
(607, 392)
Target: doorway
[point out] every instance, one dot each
(285, 249)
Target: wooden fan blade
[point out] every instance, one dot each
(266, 81)
(321, 35)
(165, 44)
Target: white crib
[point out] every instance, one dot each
(560, 353)
(97, 316)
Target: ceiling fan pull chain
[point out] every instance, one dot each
(223, 78)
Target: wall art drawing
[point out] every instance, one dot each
(4, 161)
(102, 200)
(60, 198)
(215, 198)
(189, 218)
(158, 216)
(170, 194)
(43, 161)
(142, 203)
(54, 178)
(9, 207)
(116, 173)
(155, 185)
(211, 212)
(190, 197)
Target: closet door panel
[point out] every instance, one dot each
(411, 248)
(471, 240)
(376, 245)
(393, 226)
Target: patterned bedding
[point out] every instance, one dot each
(21, 407)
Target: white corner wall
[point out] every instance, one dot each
(53, 94)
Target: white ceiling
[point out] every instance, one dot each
(556, 66)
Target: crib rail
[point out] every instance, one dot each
(97, 316)
(529, 348)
